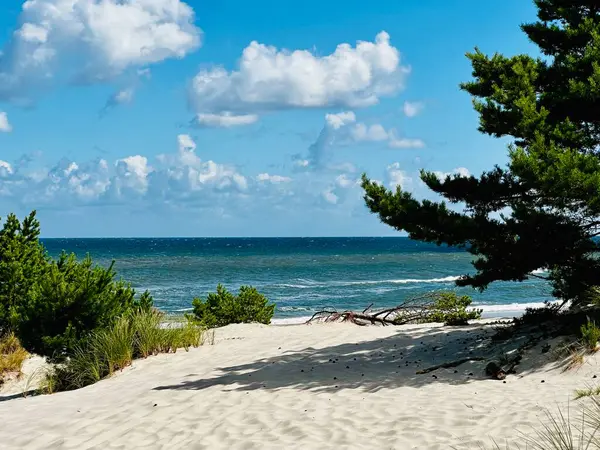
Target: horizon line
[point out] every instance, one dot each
(222, 237)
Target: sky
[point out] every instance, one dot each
(127, 118)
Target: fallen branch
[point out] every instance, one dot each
(347, 316)
(450, 364)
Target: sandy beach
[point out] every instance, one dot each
(319, 386)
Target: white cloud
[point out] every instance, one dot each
(225, 120)
(396, 177)
(186, 143)
(124, 96)
(342, 129)
(180, 180)
(329, 196)
(5, 169)
(411, 109)
(275, 179)
(90, 41)
(121, 97)
(336, 121)
(132, 173)
(272, 79)
(405, 143)
(5, 126)
(461, 171)
(371, 133)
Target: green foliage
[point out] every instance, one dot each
(53, 305)
(590, 334)
(223, 307)
(537, 316)
(137, 334)
(450, 309)
(542, 210)
(23, 261)
(73, 299)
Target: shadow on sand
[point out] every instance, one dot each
(376, 364)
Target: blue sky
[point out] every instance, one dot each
(236, 118)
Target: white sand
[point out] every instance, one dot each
(275, 387)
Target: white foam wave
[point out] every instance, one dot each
(315, 284)
(430, 280)
(510, 307)
(294, 308)
(290, 320)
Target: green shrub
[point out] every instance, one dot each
(53, 305)
(69, 302)
(536, 316)
(23, 261)
(450, 309)
(590, 335)
(223, 307)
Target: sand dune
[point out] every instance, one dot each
(318, 386)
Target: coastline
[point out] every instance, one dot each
(318, 386)
(498, 311)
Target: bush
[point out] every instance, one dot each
(137, 334)
(590, 335)
(223, 307)
(53, 305)
(23, 261)
(12, 355)
(535, 316)
(450, 309)
(69, 302)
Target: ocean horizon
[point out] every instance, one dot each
(300, 275)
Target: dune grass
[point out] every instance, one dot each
(564, 431)
(135, 335)
(12, 355)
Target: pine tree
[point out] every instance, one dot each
(543, 209)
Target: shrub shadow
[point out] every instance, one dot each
(370, 365)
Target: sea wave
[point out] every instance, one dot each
(290, 320)
(309, 284)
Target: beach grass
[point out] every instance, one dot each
(12, 355)
(138, 334)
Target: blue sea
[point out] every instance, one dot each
(301, 275)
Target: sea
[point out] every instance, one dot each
(300, 275)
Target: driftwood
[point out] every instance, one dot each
(450, 364)
(414, 310)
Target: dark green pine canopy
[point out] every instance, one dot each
(543, 209)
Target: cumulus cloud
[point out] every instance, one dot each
(396, 177)
(5, 126)
(180, 180)
(273, 79)
(337, 121)
(461, 171)
(343, 129)
(411, 109)
(88, 41)
(343, 186)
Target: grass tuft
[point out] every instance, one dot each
(135, 335)
(12, 355)
(580, 393)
